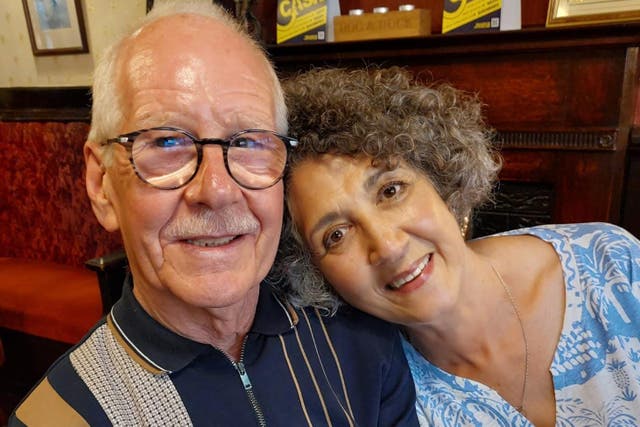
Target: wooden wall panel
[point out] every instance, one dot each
(581, 181)
(555, 90)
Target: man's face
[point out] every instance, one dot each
(211, 242)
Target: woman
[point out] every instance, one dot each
(534, 326)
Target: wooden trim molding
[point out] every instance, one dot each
(45, 104)
(604, 140)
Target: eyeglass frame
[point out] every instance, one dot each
(127, 140)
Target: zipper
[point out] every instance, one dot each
(246, 382)
(249, 389)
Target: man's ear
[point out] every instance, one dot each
(95, 181)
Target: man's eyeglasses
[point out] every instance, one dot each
(168, 158)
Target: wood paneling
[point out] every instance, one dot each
(631, 191)
(45, 104)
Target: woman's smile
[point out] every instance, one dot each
(403, 279)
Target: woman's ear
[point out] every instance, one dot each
(96, 178)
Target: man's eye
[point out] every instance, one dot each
(170, 142)
(254, 142)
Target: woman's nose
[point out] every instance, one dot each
(387, 243)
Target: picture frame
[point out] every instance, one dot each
(56, 27)
(583, 12)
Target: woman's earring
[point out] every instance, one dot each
(465, 226)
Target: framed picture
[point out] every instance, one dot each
(56, 27)
(582, 12)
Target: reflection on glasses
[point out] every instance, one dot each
(168, 157)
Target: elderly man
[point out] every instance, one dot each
(184, 158)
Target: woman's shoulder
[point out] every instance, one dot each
(583, 249)
(590, 236)
(573, 231)
(592, 255)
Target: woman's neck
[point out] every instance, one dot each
(474, 334)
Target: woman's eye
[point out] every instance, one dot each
(391, 190)
(334, 237)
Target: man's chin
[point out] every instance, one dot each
(209, 285)
(212, 276)
(220, 293)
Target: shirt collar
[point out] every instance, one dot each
(159, 349)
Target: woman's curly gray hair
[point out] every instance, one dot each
(386, 115)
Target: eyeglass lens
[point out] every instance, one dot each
(169, 158)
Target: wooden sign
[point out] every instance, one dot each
(393, 24)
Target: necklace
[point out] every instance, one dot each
(524, 338)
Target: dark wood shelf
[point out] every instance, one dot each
(45, 104)
(527, 40)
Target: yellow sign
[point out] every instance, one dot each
(301, 20)
(471, 15)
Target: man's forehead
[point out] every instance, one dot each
(185, 40)
(193, 69)
(177, 29)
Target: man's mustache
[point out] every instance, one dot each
(225, 221)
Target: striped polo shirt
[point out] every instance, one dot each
(298, 368)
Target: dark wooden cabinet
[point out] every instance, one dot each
(563, 102)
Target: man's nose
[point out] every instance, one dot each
(212, 184)
(387, 243)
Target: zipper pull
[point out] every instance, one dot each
(243, 376)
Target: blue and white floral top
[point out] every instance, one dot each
(596, 366)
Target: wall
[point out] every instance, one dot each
(104, 20)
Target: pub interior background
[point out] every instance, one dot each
(565, 102)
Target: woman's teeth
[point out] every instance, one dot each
(396, 284)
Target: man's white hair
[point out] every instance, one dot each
(107, 109)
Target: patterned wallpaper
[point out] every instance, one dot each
(104, 20)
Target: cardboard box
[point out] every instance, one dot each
(392, 24)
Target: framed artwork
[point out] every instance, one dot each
(581, 12)
(56, 27)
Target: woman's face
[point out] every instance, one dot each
(382, 237)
